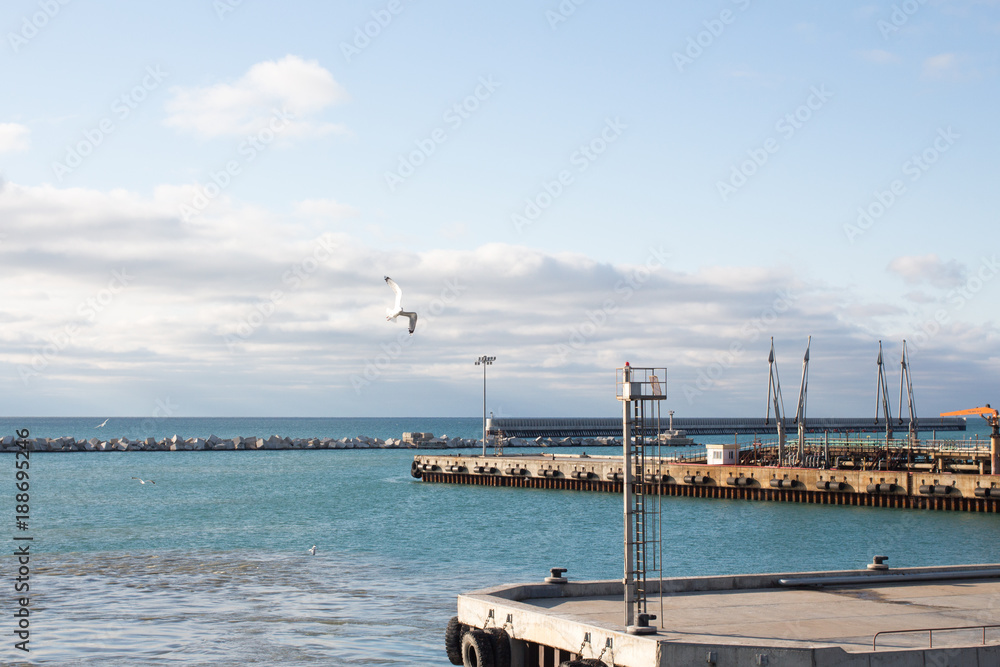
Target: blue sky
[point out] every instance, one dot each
(200, 200)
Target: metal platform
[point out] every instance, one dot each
(554, 427)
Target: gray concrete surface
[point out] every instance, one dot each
(751, 620)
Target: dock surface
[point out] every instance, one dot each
(755, 620)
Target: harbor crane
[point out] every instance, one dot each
(882, 392)
(992, 417)
(800, 411)
(774, 397)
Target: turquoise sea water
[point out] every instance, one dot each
(209, 565)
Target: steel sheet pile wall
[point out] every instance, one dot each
(872, 488)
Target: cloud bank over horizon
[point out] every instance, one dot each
(114, 301)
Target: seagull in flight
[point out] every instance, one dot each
(103, 423)
(143, 481)
(397, 310)
(312, 551)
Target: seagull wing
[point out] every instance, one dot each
(413, 320)
(398, 292)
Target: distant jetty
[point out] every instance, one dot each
(410, 440)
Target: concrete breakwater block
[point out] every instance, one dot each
(410, 440)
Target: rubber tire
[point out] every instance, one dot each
(453, 640)
(592, 662)
(501, 647)
(477, 649)
(415, 472)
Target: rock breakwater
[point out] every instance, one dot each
(176, 443)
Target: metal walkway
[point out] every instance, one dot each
(556, 427)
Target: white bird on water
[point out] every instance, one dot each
(312, 551)
(143, 481)
(103, 423)
(397, 310)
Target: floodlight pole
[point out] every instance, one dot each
(484, 361)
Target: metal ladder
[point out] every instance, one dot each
(646, 508)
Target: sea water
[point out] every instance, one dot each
(209, 565)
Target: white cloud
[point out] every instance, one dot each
(14, 137)
(941, 66)
(928, 269)
(880, 57)
(291, 84)
(325, 209)
(867, 12)
(917, 296)
(806, 28)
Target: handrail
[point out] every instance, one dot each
(930, 633)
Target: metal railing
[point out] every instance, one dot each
(823, 452)
(930, 633)
(868, 445)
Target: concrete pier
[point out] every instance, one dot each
(906, 617)
(561, 427)
(917, 489)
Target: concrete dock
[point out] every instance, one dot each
(911, 489)
(905, 617)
